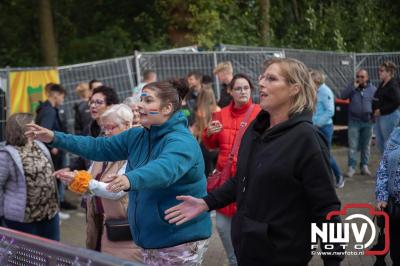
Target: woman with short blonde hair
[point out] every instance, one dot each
(297, 74)
(282, 182)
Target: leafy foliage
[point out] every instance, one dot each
(99, 29)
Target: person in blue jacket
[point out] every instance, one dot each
(360, 93)
(164, 161)
(322, 118)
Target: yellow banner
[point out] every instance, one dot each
(27, 89)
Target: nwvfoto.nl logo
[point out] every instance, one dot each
(359, 227)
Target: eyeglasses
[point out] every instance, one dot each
(109, 128)
(96, 102)
(240, 89)
(268, 78)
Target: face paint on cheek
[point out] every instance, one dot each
(153, 112)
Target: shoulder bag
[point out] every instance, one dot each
(217, 177)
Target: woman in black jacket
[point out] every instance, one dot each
(386, 104)
(283, 181)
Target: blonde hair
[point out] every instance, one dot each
(390, 67)
(206, 105)
(317, 76)
(82, 89)
(296, 73)
(119, 113)
(223, 67)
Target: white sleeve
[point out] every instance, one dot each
(98, 188)
(122, 170)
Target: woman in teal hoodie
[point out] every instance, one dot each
(164, 161)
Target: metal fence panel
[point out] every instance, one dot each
(337, 67)
(249, 63)
(371, 63)
(178, 65)
(124, 73)
(20, 249)
(175, 65)
(117, 73)
(3, 102)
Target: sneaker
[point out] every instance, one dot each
(65, 205)
(340, 184)
(365, 170)
(64, 216)
(351, 172)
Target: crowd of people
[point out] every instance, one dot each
(170, 153)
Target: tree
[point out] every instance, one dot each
(48, 42)
(265, 21)
(82, 31)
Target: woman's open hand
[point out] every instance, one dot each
(39, 133)
(117, 183)
(65, 176)
(185, 211)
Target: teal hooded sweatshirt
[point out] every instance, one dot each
(163, 162)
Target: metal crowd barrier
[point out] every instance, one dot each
(20, 249)
(125, 72)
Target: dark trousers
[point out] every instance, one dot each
(46, 228)
(210, 159)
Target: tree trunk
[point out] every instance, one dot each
(264, 27)
(296, 12)
(48, 43)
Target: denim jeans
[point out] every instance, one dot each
(383, 128)
(46, 228)
(359, 136)
(327, 130)
(224, 230)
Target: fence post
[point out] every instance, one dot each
(354, 65)
(215, 77)
(130, 73)
(8, 94)
(283, 53)
(137, 66)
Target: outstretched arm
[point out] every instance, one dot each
(114, 148)
(187, 210)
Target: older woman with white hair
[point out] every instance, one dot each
(133, 103)
(113, 206)
(283, 179)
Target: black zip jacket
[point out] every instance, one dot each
(225, 97)
(387, 98)
(49, 117)
(283, 184)
(82, 117)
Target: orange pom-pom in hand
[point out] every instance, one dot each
(81, 181)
